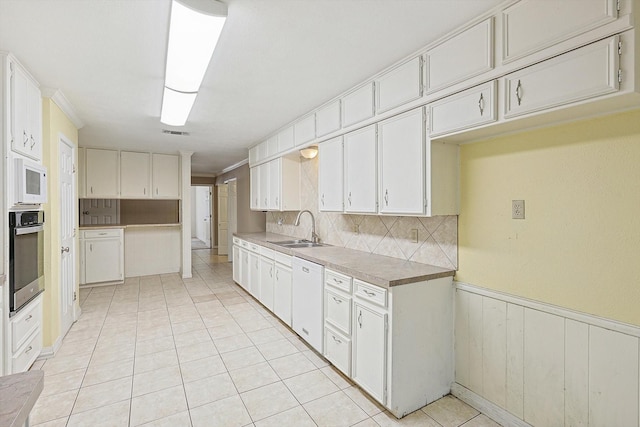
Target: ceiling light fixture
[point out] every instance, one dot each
(309, 152)
(194, 31)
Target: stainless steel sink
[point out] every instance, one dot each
(297, 244)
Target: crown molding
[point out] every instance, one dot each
(234, 166)
(61, 101)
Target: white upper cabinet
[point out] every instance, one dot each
(275, 185)
(358, 105)
(135, 175)
(254, 187)
(578, 75)
(465, 55)
(285, 139)
(360, 164)
(272, 146)
(532, 25)
(253, 155)
(465, 110)
(166, 176)
(328, 119)
(262, 151)
(305, 130)
(103, 174)
(265, 186)
(275, 174)
(82, 173)
(400, 85)
(402, 164)
(330, 175)
(26, 106)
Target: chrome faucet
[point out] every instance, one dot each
(314, 236)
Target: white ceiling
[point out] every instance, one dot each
(276, 60)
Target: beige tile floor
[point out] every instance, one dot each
(163, 351)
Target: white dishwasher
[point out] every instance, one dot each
(307, 301)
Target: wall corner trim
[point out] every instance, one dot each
(61, 101)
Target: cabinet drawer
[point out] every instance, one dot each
(337, 349)
(282, 258)
(28, 353)
(338, 280)
(244, 244)
(464, 110)
(338, 310)
(254, 248)
(371, 293)
(266, 252)
(575, 76)
(25, 323)
(236, 241)
(100, 234)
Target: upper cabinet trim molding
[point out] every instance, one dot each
(61, 101)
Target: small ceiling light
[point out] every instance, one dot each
(309, 152)
(194, 31)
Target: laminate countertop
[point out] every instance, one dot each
(125, 226)
(379, 270)
(18, 395)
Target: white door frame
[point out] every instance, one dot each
(232, 217)
(73, 249)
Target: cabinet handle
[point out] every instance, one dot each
(277, 276)
(33, 142)
(144, 191)
(337, 281)
(91, 247)
(338, 301)
(265, 201)
(305, 269)
(271, 272)
(26, 319)
(28, 349)
(386, 197)
(360, 319)
(481, 104)
(369, 294)
(322, 199)
(91, 189)
(349, 198)
(336, 339)
(156, 191)
(276, 201)
(519, 92)
(63, 249)
(25, 138)
(102, 234)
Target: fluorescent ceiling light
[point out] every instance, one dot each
(176, 107)
(194, 31)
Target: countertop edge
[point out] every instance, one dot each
(125, 226)
(357, 274)
(14, 385)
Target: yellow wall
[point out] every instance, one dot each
(579, 246)
(54, 123)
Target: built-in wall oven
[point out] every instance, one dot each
(26, 257)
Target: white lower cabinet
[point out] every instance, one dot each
(254, 270)
(267, 277)
(337, 350)
(370, 349)
(244, 269)
(283, 288)
(26, 336)
(102, 255)
(237, 265)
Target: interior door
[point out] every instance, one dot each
(223, 241)
(99, 211)
(203, 215)
(67, 237)
(232, 215)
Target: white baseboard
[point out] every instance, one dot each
(49, 352)
(495, 412)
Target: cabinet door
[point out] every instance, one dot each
(328, 119)
(166, 176)
(263, 151)
(103, 173)
(254, 274)
(575, 76)
(244, 269)
(305, 130)
(253, 155)
(285, 139)
(272, 146)
(275, 180)
(463, 56)
(82, 173)
(358, 105)
(237, 264)
(370, 350)
(134, 175)
(465, 110)
(282, 293)
(532, 25)
(263, 201)
(34, 110)
(402, 164)
(20, 117)
(254, 189)
(330, 175)
(103, 260)
(267, 281)
(360, 170)
(399, 85)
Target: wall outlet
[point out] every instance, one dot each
(414, 235)
(517, 209)
(280, 220)
(356, 228)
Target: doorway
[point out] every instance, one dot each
(68, 210)
(232, 215)
(201, 215)
(222, 219)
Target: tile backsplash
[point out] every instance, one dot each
(384, 235)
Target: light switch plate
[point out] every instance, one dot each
(414, 235)
(517, 209)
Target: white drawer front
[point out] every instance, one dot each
(27, 354)
(236, 241)
(338, 310)
(338, 350)
(283, 258)
(266, 252)
(254, 248)
(97, 234)
(371, 293)
(24, 324)
(338, 280)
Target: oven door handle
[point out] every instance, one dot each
(28, 230)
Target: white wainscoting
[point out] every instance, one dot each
(519, 360)
(152, 250)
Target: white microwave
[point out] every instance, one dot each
(31, 183)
